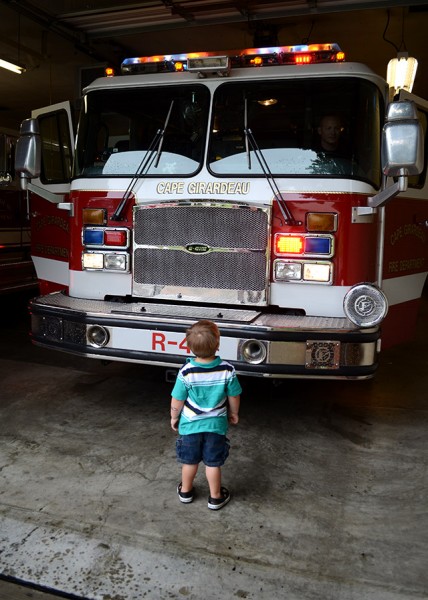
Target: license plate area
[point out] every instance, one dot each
(322, 354)
(164, 342)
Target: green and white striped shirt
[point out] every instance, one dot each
(204, 389)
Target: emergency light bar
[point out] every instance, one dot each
(221, 62)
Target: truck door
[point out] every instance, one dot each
(50, 208)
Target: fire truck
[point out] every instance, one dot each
(16, 268)
(197, 187)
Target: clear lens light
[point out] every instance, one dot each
(316, 272)
(93, 260)
(288, 271)
(115, 262)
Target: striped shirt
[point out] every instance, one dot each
(204, 389)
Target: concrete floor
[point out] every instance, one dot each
(329, 483)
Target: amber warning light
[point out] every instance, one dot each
(289, 244)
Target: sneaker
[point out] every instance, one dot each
(184, 497)
(217, 503)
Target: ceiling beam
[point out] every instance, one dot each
(141, 17)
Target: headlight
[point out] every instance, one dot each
(92, 260)
(315, 271)
(287, 271)
(365, 305)
(106, 261)
(318, 272)
(115, 262)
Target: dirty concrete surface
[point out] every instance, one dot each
(328, 480)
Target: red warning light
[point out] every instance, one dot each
(303, 59)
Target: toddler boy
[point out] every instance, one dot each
(205, 399)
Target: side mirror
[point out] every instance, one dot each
(28, 151)
(402, 141)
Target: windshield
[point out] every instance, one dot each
(117, 127)
(324, 127)
(308, 127)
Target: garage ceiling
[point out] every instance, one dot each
(86, 22)
(93, 20)
(56, 40)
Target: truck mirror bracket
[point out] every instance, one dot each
(50, 197)
(388, 193)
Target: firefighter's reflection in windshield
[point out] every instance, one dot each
(330, 141)
(332, 148)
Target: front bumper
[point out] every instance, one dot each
(143, 332)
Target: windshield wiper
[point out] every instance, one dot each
(250, 140)
(153, 154)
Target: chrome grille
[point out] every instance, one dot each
(216, 226)
(233, 267)
(214, 270)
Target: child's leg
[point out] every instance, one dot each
(188, 473)
(214, 481)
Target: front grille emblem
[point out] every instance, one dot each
(198, 248)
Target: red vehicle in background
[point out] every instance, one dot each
(17, 271)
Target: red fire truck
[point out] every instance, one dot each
(16, 268)
(199, 187)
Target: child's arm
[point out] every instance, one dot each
(234, 402)
(176, 408)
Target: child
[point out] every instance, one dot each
(205, 398)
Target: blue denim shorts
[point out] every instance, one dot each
(211, 448)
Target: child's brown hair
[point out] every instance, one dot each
(203, 338)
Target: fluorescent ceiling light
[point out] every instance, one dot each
(11, 67)
(401, 72)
